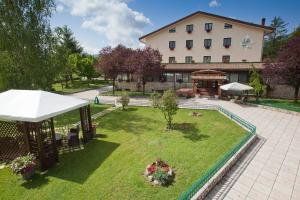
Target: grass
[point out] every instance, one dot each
(130, 93)
(79, 85)
(112, 166)
(279, 103)
(74, 116)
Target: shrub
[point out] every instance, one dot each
(169, 107)
(161, 176)
(155, 99)
(124, 100)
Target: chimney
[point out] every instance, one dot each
(263, 21)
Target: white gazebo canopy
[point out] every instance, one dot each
(235, 86)
(35, 105)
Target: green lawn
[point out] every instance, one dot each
(74, 116)
(79, 85)
(130, 93)
(279, 103)
(112, 166)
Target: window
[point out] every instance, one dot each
(189, 44)
(208, 27)
(243, 77)
(227, 42)
(185, 77)
(172, 45)
(172, 60)
(233, 77)
(188, 59)
(207, 43)
(227, 26)
(169, 77)
(206, 59)
(172, 30)
(226, 59)
(189, 28)
(178, 78)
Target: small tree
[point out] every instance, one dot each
(155, 99)
(124, 100)
(256, 82)
(169, 107)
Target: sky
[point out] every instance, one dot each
(100, 23)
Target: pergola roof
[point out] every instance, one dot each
(208, 75)
(35, 105)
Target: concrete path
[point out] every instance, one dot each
(270, 170)
(90, 94)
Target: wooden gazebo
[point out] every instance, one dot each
(26, 123)
(210, 80)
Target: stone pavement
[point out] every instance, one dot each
(270, 170)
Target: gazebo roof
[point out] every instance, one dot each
(35, 105)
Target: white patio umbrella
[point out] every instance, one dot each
(237, 87)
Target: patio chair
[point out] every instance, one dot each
(73, 137)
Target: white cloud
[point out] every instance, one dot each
(111, 18)
(59, 8)
(214, 3)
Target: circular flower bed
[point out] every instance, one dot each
(159, 173)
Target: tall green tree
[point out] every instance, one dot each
(276, 39)
(26, 44)
(66, 42)
(66, 38)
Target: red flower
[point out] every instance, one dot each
(151, 169)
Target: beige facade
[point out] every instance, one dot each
(238, 33)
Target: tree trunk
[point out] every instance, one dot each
(296, 93)
(114, 80)
(144, 87)
(67, 80)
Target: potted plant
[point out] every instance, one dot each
(24, 165)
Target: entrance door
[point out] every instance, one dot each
(207, 87)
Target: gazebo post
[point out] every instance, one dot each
(37, 128)
(54, 140)
(23, 126)
(86, 122)
(89, 118)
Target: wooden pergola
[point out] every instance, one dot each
(209, 76)
(26, 123)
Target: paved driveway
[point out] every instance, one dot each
(90, 94)
(270, 170)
